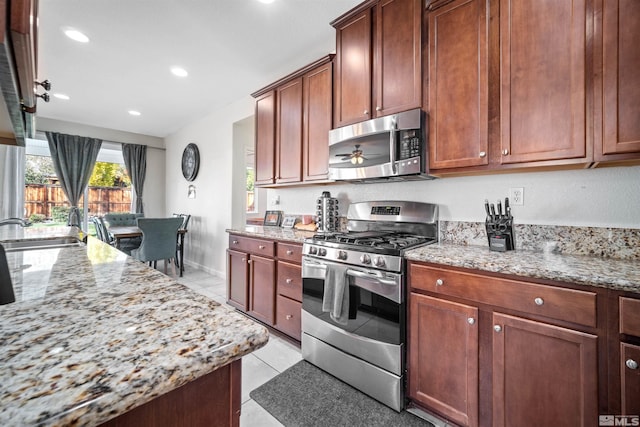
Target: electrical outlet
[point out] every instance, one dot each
(516, 196)
(275, 201)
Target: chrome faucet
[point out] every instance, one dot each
(16, 221)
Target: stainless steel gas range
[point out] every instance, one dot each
(354, 295)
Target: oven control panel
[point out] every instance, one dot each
(354, 257)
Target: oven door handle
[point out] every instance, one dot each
(372, 276)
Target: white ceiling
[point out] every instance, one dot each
(230, 48)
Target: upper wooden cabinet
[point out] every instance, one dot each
(378, 60)
(521, 83)
(293, 120)
(458, 85)
(543, 52)
(617, 130)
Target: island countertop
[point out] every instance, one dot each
(94, 333)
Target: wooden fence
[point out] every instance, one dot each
(41, 198)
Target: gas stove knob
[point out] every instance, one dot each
(313, 250)
(322, 252)
(379, 262)
(365, 259)
(342, 255)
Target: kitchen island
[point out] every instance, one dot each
(95, 334)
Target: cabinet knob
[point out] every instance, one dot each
(289, 252)
(538, 301)
(288, 316)
(235, 242)
(439, 282)
(505, 152)
(366, 112)
(261, 247)
(249, 262)
(631, 364)
(483, 154)
(289, 281)
(244, 259)
(471, 320)
(378, 108)
(497, 328)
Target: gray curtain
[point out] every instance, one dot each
(135, 160)
(12, 160)
(73, 159)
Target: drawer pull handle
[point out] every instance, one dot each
(289, 316)
(261, 247)
(631, 364)
(471, 320)
(439, 282)
(538, 301)
(289, 281)
(497, 328)
(235, 242)
(289, 252)
(483, 154)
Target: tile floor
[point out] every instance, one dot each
(257, 367)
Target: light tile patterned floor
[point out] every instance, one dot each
(257, 367)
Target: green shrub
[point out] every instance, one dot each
(60, 213)
(35, 218)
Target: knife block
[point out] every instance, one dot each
(501, 236)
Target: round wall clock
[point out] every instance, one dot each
(190, 162)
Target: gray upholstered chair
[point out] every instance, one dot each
(158, 240)
(126, 246)
(122, 218)
(185, 224)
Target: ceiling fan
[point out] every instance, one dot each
(355, 156)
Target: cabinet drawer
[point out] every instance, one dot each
(543, 300)
(251, 245)
(288, 316)
(290, 252)
(630, 316)
(290, 280)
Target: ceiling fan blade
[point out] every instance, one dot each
(347, 157)
(344, 154)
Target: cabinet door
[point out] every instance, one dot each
(630, 373)
(543, 375)
(237, 279)
(262, 288)
(443, 357)
(542, 96)
(289, 132)
(398, 56)
(353, 70)
(621, 80)
(265, 138)
(318, 118)
(458, 85)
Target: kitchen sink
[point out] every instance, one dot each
(25, 245)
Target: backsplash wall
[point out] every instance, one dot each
(606, 197)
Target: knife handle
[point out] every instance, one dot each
(499, 204)
(493, 212)
(486, 208)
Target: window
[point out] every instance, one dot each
(109, 187)
(252, 201)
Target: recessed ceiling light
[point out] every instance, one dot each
(61, 96)
(134, 112)
(180, 72)
(266, 1)
(76, 35)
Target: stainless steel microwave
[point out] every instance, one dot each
(391, 147)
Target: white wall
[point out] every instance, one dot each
(604, 197)
(211, 210)
(154, 187)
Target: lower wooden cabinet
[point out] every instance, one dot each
(543, 375)
(443, 357)
(473, 364)
(264, 280)
(630, 375)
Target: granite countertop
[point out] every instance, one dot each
(276, 233)
(94, 333)
(616, 274)
(11, 233)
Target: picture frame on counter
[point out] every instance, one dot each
(289, 221)
(272, 218)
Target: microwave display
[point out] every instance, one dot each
(409, 144)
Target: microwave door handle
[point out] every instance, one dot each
(392, 145)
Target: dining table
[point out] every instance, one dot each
(120, 232)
